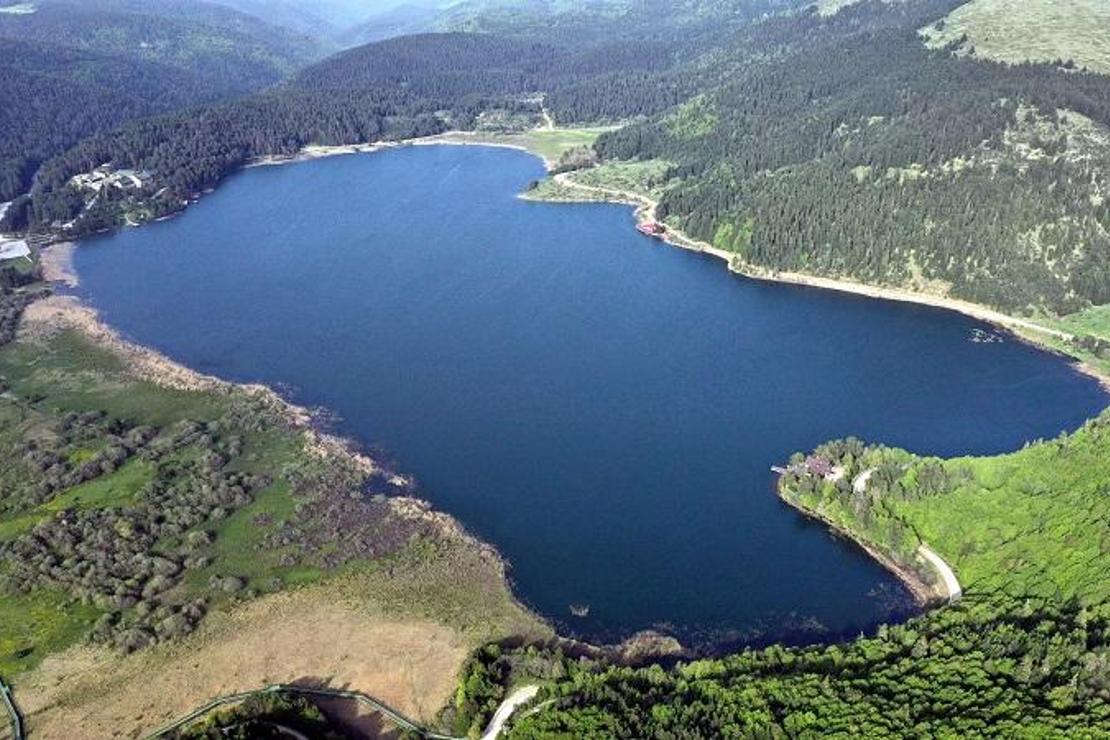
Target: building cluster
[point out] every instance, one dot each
(105, 177)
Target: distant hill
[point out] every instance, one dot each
(574, 22)
(1075, 32)
(310, 19)
(592, 21)
(71, 68)
(231, 51)
(402, 20)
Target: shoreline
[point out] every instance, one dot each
(55, 313)
(646, 209)
(447, 138)
(926, 595)
(56, 260)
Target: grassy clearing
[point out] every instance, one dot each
(34, 625)
(645, 178)
(1094, 321)
(1029, 30)
(71, 373)
(1091, 327)
(550, 144)
(117, 489)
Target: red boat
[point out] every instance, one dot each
(651, 228)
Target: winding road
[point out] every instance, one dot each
(521, 696)
(955, 591)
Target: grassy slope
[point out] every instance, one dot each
(1032, 523)
(1030, 30)
(645, 178)
(1087, 325)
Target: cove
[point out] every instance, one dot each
(601, 407)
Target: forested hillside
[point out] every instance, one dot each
(858, 152)
(801, 141)
(985, 668)
(73, 68)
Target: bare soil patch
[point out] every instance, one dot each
(296, 637)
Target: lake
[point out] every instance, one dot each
(603, 408)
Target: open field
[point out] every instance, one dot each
(1030, 31)
(1089, 340)
(549, 144)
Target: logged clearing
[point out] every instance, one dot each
(1029, 31)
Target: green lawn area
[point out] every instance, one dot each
(75, 375)
(116, 489)
(647, 177)
(1094, 321)
(237, 549)
(547, 143)
(1091, 323)
(34, 625)
(551, 143)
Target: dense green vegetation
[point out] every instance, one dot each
(1029, 524)
(73, 68)
(129, 510)
(981, 669)
(847, 162)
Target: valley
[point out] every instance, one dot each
(518, 459)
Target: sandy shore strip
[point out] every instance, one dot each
(56, 261)
(1022, 329)
(447, 138)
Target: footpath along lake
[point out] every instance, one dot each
(601, 407)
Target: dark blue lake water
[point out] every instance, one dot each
(603, 408)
